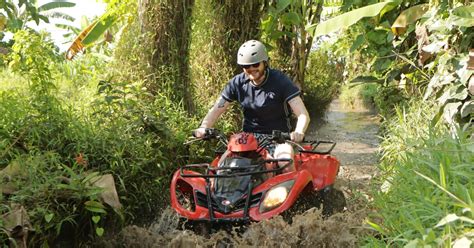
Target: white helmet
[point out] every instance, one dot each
(251, 52)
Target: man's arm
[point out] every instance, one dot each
(299, 109)
(212, 116)
(215, 112)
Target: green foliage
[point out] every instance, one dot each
(33, 55)
(350, 95)
(323, 79)
(349, 18)
(19, 13)
(426, 198)
(429, 59)
(215, 38)
(283, 26)
(66, 121)
(40, 145)
(449, 76)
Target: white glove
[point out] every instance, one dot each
(297, 137)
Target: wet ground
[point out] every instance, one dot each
(355, 131)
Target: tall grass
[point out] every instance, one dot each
(428, 188)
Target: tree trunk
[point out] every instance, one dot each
(170, 21)
(219, 28)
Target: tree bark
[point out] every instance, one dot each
(170, 21)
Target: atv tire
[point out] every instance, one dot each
(305, 202)
(333, 201)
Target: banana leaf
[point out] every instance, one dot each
(56, 4)
(407, 17)
(105, 22)
(347, 19)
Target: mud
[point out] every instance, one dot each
(355, 131)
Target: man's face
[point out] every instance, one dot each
(255, 72)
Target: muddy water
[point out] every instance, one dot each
(355, 131)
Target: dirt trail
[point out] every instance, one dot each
(355, 131)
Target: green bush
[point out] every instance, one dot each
(322, 81)
(70, 120)
(428, 189)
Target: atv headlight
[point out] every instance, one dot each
(276, 196)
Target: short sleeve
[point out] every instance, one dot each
(230, 91)
(290, 89)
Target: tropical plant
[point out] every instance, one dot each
(285, 24)
(27, 10)
(442, 51)
(92, 32)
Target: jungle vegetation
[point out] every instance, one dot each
(88, 144)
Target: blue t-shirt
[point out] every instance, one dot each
(265, 107)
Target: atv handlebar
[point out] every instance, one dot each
(238, 174)
(276, 136)
(209, 133)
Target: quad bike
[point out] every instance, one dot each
(244, 184)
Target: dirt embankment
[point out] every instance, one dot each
(355, 131)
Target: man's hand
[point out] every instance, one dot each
(200, 132)
(297, 137)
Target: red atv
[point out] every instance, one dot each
(244, 184)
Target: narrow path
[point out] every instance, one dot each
(355, 130)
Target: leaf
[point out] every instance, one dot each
(464, 11)
(407, 17)
(56, 4)
(450, 111)
(349, 18)
(377, 36)
(99, 231)
(96, 219)
(282, 4)
(458, 92)
(48, 217)
(467, 108)
(43, 18)
(357, 43)
(93, 175)
(437, 81)
(77, 45)
(462, 242)
(451, 218)
(291, 18)
(366, 79)
(105, 22)
(412, 244)
(91, 34)
(95, 207)
(434, 47)
(376, 227)
(3, 21)
(60, 15)
(462, 22)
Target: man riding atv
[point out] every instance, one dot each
(258, 176)
(264, 94)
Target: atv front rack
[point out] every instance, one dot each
(316, 144)
(207, 177)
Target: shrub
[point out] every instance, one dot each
(323, 79)
(427, 194)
